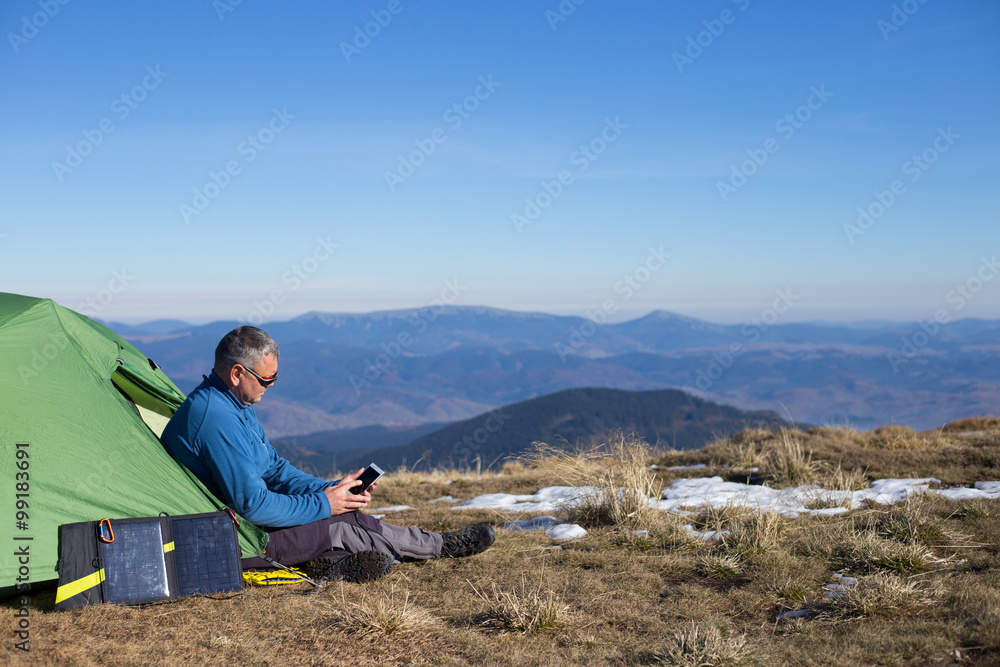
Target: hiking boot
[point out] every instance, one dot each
(470, 540)
(358, 568)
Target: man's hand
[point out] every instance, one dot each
(340, 496)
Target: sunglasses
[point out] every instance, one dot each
(264, 382)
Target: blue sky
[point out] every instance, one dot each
(269, 159)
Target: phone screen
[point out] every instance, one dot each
(368, 477)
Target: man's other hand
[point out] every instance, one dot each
(340, 496)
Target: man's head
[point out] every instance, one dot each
(246, 360)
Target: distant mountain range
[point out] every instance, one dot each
(574, 417)
(449, 363)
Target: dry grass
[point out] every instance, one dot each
(928, 581)
(972, 424)
(866, 552)
(618, 475)
(701, 644)
(524, 609)
(884, 594)
(953, 454)
(723, 568)
(372, 613)
(778, 456)
(901, 437)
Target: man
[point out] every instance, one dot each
(216, 434)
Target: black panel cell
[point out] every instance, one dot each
(134, 565)
(206, 555)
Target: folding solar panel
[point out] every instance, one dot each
(137, 561)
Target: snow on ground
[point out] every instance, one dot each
(690, 494)
(549, 499)
(553, 527)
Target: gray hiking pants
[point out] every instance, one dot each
(345, 534)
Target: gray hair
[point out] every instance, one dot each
(244, 346)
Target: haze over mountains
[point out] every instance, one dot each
(445, 364)
(665, 418)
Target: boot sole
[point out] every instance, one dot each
(357, 568)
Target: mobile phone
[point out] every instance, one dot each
(368, 477)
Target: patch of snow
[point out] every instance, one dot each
(392, 508)
(553, 527)
(704, 534)
(549, 499)
(537, 523)
(641, 533)
(690, 467)
(688, 494)
(795, 613)
(444, 499)
(566, 531)
(839, 588)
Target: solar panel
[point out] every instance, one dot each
(206, 555)
(134, 566)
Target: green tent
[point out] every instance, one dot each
(81, 411)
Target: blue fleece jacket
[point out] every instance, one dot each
(221, 441)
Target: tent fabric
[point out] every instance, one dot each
(66, 402)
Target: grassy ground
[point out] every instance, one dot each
(927, 571)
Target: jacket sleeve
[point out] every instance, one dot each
(227, 454)
(283, 477)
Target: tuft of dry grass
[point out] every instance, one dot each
(722, 568)
(971, 425)
(900, 437)
(372, 613)
(777, 455)
(886, 594)
(788, 462)
(701, 644)
(754, 533)
(742, 531)
(912, 521)
(617, 475)
(865, 552)
(524, 610)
